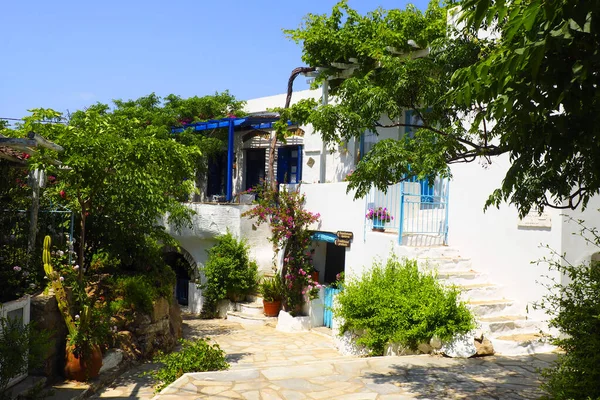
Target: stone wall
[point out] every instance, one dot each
(148, 333)
(45, 314)
(139, 339)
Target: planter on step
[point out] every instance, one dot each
(271, 308)
(81, 368)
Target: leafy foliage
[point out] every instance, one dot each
(271, 289)
(538, 82)
(574, 309)
(197, 356)
(138, 292)
(229, 272)
(395, 303)
(475, 96)
(289, 222)
(21, 347)
(86, 318)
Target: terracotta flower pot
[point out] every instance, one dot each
(80, 369)
(315, 276)
(271, 308)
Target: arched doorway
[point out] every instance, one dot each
(184, 266)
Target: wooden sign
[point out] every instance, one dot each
(342, 242)
(345, 235)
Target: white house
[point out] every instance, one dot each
(489, 254)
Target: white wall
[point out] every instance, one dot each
(212, 220)
(340, 212)
(493, 240)
(578, 250)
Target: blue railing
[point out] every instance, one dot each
(418, 211)
(330, 293)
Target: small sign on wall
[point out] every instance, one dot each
(342, 242)
(536, 220)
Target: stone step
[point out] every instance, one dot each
(461, 277)
(244, 319)
(254, 298)
(437, 252)
(489, 308)
(521, 344)
(480, 291)
(255, 309)
(445, 263)
(507, 325)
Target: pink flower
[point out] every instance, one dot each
(16, 268)
(61, 279)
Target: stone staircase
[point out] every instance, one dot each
(502, 320)
(250, 312)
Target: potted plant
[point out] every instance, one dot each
(271, 290)
(86, 323)
(379, 216)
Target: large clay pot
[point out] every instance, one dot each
(315, 276)
(271, 308)
(83, 368)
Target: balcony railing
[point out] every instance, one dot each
(418, 211)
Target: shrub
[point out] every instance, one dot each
(21, 347)
(229, 271)
(138, 292)
(395, 303)
(198, 356)
(574, 309)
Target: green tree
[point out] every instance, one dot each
(508, 93)
(122, 168)
(120, 175)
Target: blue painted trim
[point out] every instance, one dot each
(446, 205)
(299, 169)
(242, 122)
(230, 159)
(361, 146)
(401, 222)
(324, 237)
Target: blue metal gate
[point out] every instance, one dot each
(424, 211)
(330, 293)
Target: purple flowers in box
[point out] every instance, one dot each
(379, 213)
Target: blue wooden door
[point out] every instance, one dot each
(289, 164)
(330, 294)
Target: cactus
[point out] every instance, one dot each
(59, 290)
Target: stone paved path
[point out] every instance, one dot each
(267, 364)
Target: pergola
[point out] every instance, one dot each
(256, 121)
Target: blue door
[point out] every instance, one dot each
(289, 164)
(330, 293)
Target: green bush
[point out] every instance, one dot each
(140, 291)
(198, 356)
(21, 347)
(574, 309)
(229, 272)
(395, 303)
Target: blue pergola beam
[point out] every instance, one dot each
(230, 145)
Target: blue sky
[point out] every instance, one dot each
(68, 54)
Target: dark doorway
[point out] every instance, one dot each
(181, 268)
(215, 185)
(255, 167)
(335, 261)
